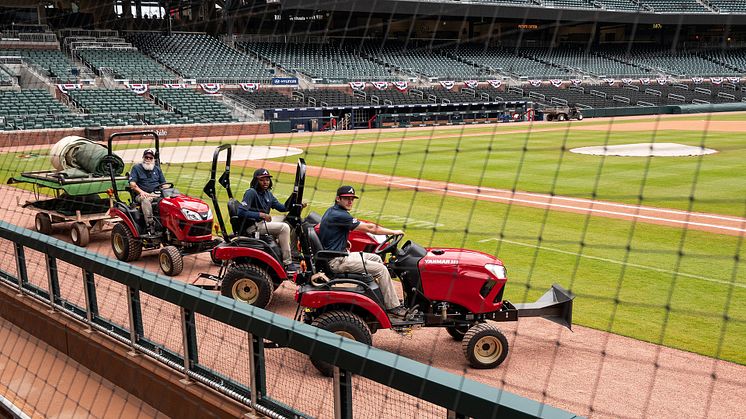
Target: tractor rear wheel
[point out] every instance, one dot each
(43, 223)
(579, 117)
(79, 234)
(457, 332)
(248, 283)
(126, 247)
(345, 324)
(485, 346)
(171, 261)
(561, 117)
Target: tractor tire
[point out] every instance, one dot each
(485, 346)
(579, 117)
(43, 223)
(80, 235)
(124, 244)
(561, 117)
(345, 324)
(248, 283)
(457, 332)
(170, 261)
(550, 117)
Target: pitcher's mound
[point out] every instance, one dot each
(645, 150)
(195, 154)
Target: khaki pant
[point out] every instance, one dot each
(353, 263)
(279, 230)
(146, 203)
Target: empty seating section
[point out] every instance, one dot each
(508, 62)
(681, 64)
(392, 97)
(188, 103)
(263, 99)
(568, 4)
(578, 61)
(447, 96)
(5, 78)
(126, 64)
(731, 6)
(201, 57)
(318, 98)
(52, 63)
(319, 61)
(414, 60)
(622, 5)
(733, 58)
(110, 101)
(678, 6)
(29, 102)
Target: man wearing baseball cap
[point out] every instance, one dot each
(257, 202)
(334, 229)
(145, 178)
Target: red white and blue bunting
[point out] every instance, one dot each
(535, 83)
(447, 84)
(627, 81)
(495, 83)
(249, 87)
(556, 82)
(138, 88)
(380, 85)
(661, 81)
(716, 80)
(697, 80)
(400, 85)
(210, 88)
(610, 81)
(471, 83)
(734, 80)
(69, 86)
(357, 85)
(645, 80)
(576, 82)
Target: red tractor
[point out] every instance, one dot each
(453, 288)
(183, 225)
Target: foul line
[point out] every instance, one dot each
(634, 265)
(578, 209)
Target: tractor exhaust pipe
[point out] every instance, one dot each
(555, 305)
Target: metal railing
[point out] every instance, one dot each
(460, 396)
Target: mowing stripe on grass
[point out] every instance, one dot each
(616, 262)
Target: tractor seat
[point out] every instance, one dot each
(322, 257)
(240, 225)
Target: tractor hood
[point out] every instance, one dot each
(186, 202)
(438, 258)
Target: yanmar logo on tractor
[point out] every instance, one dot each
(442, 261)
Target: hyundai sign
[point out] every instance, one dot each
(284, 81)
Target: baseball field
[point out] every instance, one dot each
(675, 284)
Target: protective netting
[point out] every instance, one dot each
(456, 122)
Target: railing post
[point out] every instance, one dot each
(342, 394)
(135, 314)
(54, 282)
(256, 368)
(189, 331)
(91, 304)
(21, 266)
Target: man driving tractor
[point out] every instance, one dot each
(145, 178)
(257, 202)
(334, 229)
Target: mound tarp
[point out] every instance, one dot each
(94, 159)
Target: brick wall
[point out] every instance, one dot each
(166, 132)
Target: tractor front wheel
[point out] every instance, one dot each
(485, 346)
(171, 261)
(248, 283)
(345, 324)
(126, 247)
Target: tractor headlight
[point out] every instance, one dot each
(498, 270)
(191, 215)
(208, 214)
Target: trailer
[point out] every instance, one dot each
(82, 203)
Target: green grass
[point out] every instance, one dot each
(649, 282)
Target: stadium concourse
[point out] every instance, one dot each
(297, 76)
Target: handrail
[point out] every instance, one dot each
(460, 395)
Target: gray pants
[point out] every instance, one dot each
(146, 203)
(281, 231)
(353, 263)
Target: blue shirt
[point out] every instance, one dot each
(147, 180)
(335, 226)
(255, 201)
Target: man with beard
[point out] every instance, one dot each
(145, 178)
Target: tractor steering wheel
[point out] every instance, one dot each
(388, 245)
(165, 185)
